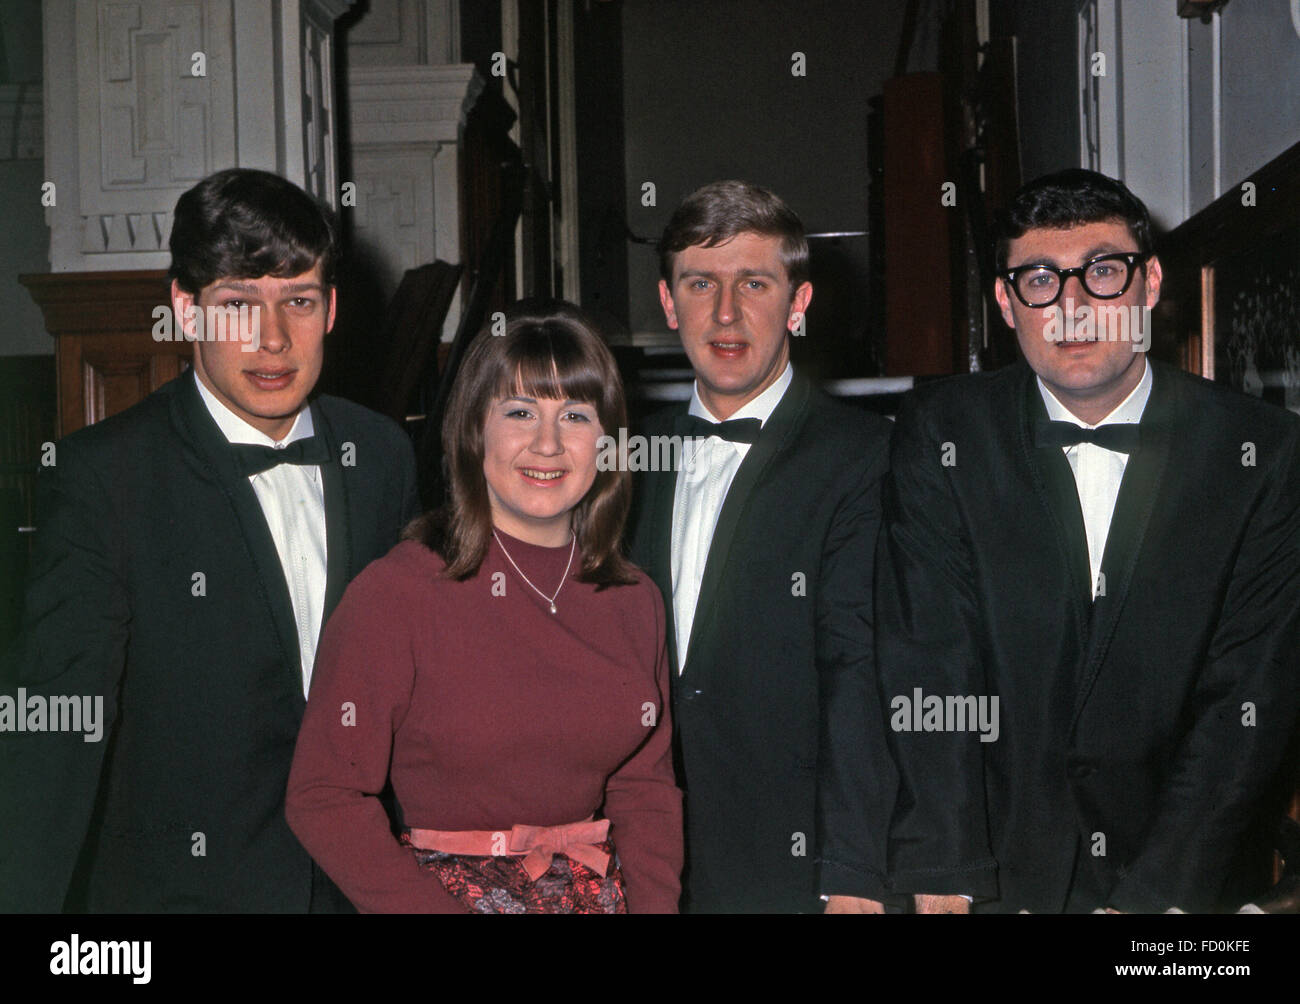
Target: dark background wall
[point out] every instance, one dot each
(24, 239)
(708, 94)
(1046, 79)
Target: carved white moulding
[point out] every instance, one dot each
(157, 95)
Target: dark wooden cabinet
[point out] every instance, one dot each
(106, 357)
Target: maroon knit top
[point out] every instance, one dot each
(492, 711)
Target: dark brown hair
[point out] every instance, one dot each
(719, 211)
(549, 349)
(1070, 198)
(242, 223)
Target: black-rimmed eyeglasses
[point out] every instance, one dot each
(1105, 277)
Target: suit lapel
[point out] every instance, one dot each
(196, 426)
(1054, 481)
(653, 540)
(664, 489)
(338, 517)
(779, 429)
(1138, 492)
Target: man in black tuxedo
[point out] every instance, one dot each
(1098, 557)
(762, 544)
(187, 553)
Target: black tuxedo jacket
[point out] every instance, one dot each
(180, 806)
(779, 745)
(1142, 735)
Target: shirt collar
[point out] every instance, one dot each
(760, 408)
(236, 430)
(1127, 412)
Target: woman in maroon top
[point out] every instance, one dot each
(504, 666)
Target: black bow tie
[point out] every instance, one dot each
(1120, 437)
(735, 430)
(253, 459)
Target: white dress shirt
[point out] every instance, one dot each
(1097, 470)
(708, 468)
(292, 497)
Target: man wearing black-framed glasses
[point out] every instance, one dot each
(1104, 277)
(1100, 554)
(1048, 275)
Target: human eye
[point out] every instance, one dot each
(755, 285)
(698, 284)
(577, 416)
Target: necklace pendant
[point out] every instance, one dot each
(569, 564)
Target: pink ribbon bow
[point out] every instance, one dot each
(577, 841)
(537, 845)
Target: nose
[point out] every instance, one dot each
(724, 306)
(273, 334)
(1080, 293)
(547, 441)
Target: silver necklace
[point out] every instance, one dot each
(549, 599)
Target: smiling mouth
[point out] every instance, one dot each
(540, 475)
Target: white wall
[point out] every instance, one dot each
(1136, 65)
(1261, 84)
(1187, 110)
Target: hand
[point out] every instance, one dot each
(853, 904)
(942, 904)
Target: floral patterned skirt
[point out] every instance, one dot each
(500, 884)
